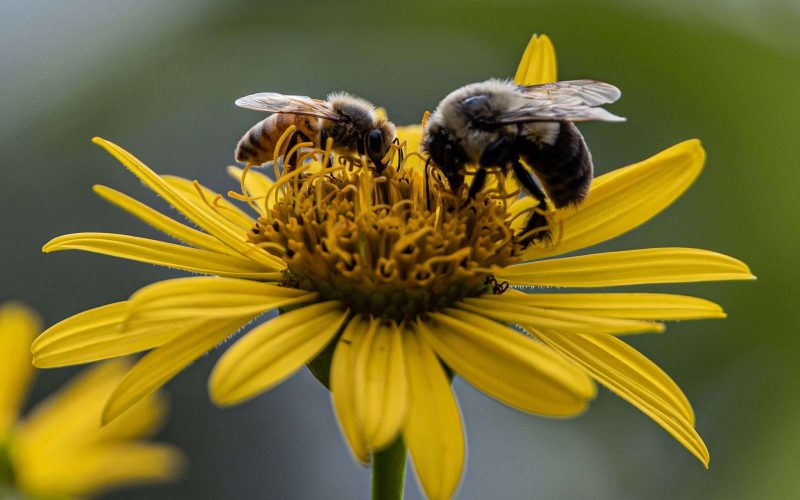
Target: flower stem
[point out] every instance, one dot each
(388, 472)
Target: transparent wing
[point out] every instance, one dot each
(573, 100)
(273, 102)
(588, 92)
(549, 113)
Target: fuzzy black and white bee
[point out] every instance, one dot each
(500, 124)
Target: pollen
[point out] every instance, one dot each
(393, 241)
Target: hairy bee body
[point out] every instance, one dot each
(351, 122)
(528, 129)
(560, 160)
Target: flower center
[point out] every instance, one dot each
(394, 242)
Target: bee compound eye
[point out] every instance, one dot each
(476, 104)
(375, 142)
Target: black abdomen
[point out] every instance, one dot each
(564, 168)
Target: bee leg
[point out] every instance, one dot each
(323, 144)
(537, 219)
(498, 154)
(477, 183)
(288, 161)
(453, 170)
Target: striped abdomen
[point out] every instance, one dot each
(564, 168)
(257, 145)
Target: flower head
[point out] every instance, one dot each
(60, 450)
(399, 281)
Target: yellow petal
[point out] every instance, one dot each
(95, 470)
(257, 184)
(221, 205)
(168, 226)
(71, 417)
(98, 334)
(538, 64)
(625, 198)
(647, 306)
(412, 136)
(433, 430)
(508, 310)
(63, 432)
(18, 326)
(343, 388)
(143, 420)
(189, 298)
(634, 378)
(506, 365)
(158, 366)
(381, 389)
(207, 219)
(161, 254)
(272, 352)
(629, 267)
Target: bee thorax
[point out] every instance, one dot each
(541, 133)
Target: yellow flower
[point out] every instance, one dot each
(396, 281)
(60, 450)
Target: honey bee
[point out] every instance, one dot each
(497, 123)
(350, 121)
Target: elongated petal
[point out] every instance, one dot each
(626, 198)
(189, 298)
(509, 311)
(92, 471)
(69, 420)
(634, 378)
(272, 352)
(538, 64)
(204, 197)
(381, 388)
(433, 430)
(99, 334)
(629, 267)
(158, 366)
(168, 226)
(647, 306)
(343, 386)
(207, 219)
(161, 254)
(506, 365)
(18, 326)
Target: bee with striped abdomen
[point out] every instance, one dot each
(353, 124)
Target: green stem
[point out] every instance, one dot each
(388, 472)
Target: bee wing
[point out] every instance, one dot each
(550, 113)
(273, 102)
(588, 92)
(573, 101)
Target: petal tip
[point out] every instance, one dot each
(220, 395)
(220, 399)
(110, 413)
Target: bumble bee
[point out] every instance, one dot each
(497, 123)
(350, 121)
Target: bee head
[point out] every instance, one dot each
(445, 151)
(377, 141)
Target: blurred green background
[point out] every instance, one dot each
(160, 79)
